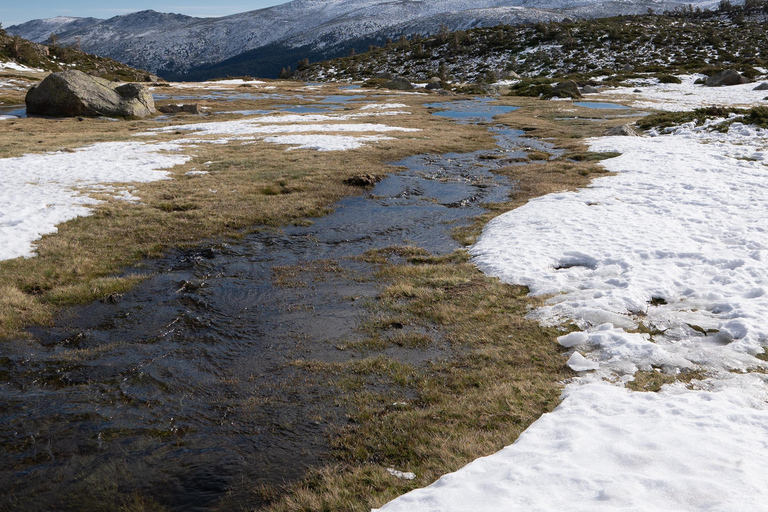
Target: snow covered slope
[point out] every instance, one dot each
(176, 43)
(663, 267)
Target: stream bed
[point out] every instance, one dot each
(186, 390)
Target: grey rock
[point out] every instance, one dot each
(624, 130)
(434, 86)
(73, 93)
(434, 80)
(762, 87)
(567, 89)
(187, 108)
(628, 67)
(384, 76)
(727, 77)
(399, 84)
(588, 89)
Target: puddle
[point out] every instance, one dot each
(223, 95)
(342, 99)
(598, 105)
(471, 111)
(14, 110)
(350, 87)
(185, 390)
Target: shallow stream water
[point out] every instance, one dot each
(186, 390)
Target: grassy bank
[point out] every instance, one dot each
(505, 370)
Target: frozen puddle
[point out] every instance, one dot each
(674, 244)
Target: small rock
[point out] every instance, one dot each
(727, 77)
(623, 130)
(363, 180)
(384, 76)
(762, 87)
(189, 108)
(637, 90)
(588, 89)
(628, 68)
(434, 80)
(433, 86)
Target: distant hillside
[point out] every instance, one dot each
(260, 42)
(687, 39)
(55, 57)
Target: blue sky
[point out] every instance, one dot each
(13, 13)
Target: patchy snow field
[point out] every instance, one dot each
(687, 96)
(676, 240)
(41, 191)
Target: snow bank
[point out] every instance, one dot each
(675, 240)
(325, 142)
(18, 67)
(243, 127)
(687, 96)
(605, 448)
(324, 138)
(682, 226)
(41, 191)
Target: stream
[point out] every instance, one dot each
(184, 390)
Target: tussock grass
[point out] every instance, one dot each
(498, 374)
(434, 417)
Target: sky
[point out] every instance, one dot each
(21, 12)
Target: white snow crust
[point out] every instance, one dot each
(674, 243)
(606, 448)
(302, 131)
(15, 66)
(689, 96)
(41, 191)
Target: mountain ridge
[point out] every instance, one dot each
(174, 44)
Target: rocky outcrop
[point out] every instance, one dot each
(74, 93)
(727, 77)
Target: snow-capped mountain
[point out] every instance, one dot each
(176, 43)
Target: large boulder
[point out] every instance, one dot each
(399, 84)
(73, 93)
(727, 77)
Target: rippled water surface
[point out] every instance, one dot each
(186, 389)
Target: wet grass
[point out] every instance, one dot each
(500, 371)
(435, 417)
(495, 371)
(246, 186)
